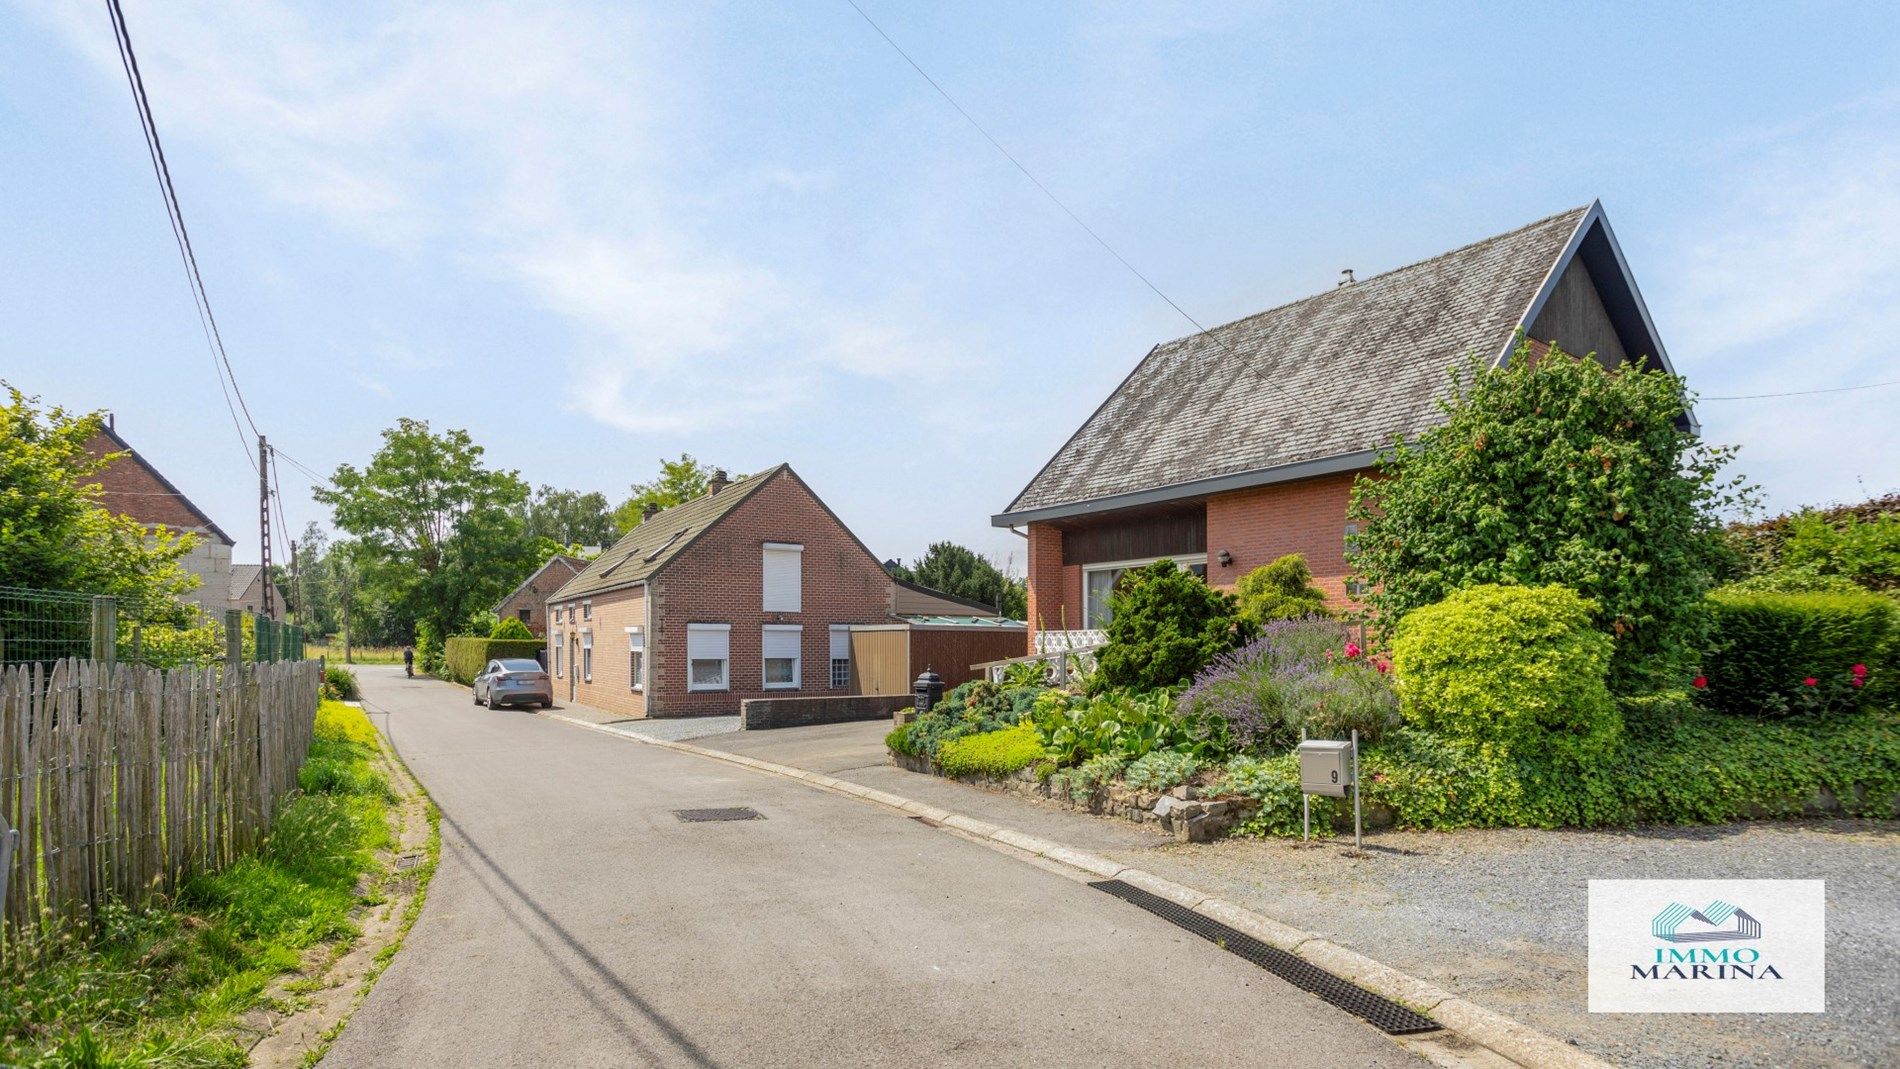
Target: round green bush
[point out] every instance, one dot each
(1515, 669)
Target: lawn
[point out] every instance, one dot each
(162, 984)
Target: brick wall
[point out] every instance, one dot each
(1047, 584)
(608, 615)
(760, 714)
(534, 595)
(1262, 524)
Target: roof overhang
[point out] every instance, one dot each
(1594, 242)
(1241, 480)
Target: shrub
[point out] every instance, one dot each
(1795, 579)
(1299, 674)
(467, 655)
(1125, 725)
(1518, 669)
(1765, 648)
(1275, 783)
(1555, 470)
(1282, 590)
(1082, 781)
(339, 684)
(1161, 770)
(512, 627)
(428, 648)
(1866, 551)
(993, 754)
(1165, 626)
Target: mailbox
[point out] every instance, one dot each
(927, 691)
(1325, 767)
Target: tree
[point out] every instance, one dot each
(959, 572)
(54, 534)
(1166, 624)
(439, 536)
(569, 517)
(1282, 590)
(679, 481)
(1554, 470)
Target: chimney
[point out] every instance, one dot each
(718, 482)
(112, 422)
(648, 511)
(1345, 277)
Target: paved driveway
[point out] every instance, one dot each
(576, 921)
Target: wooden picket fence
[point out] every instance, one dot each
(125, 780)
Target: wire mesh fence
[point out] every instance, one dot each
(45, 626)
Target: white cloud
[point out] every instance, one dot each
(529, 145)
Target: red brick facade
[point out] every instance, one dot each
(130, 487)
(719, 579)
(1255, 526)
(529, 602)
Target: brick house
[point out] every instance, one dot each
(1227, 449)
(131, 486)
(750, 591)
(529, 601)
(247, 591)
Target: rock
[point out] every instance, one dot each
(1165, 806)
(1185, 792)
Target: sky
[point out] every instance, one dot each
(597, 234)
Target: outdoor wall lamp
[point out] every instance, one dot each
(1226, 559)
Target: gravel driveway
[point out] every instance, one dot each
(1498, 916)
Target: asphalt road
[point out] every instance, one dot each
(575, 920)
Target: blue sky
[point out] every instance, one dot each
(597, 234)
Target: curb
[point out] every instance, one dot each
(1504, 1036)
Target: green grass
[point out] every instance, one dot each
(159, 985)
(363, 654)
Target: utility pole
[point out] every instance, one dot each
(343, 569)
(263, 524)
(296, 590)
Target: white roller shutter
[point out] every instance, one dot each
(784, 577)
(840, 642)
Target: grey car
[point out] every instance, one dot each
(514, 681)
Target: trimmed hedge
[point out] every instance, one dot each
(1515, 669)
(466, 655)
(1766, 645)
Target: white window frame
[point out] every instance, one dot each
(587, 655)
(794, 550)
(1089, 618)
(725, 678)
(831, 662)
(637, 669)
(560, 640)
(587, 610)
(798, 656)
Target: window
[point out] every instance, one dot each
(840, 656)
(708, 656)
(783, 576)
(526, 615)
(587, 610)
(1098, 582)
(637, 658)
(587, 656)
(558, 643)
(778, 648)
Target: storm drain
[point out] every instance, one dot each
(1383, 1014)
(736, 813)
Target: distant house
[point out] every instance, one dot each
(754, 590)
(1227, 449)
(247, 591)
(131, 486)
(528, 603)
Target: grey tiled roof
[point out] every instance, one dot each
(647, 548)
(1337, 373)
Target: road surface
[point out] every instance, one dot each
(575, 920)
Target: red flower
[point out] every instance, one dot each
(1352, 649)
(1382, 666)
(1858, 681)
(1859, 670)
(1700, 682)
(1810, 681)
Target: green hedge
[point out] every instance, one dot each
(466, 655)
(1765, 646)
(1516, 668)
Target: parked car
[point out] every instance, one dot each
(515, 681)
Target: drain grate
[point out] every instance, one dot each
(736, 813)
(1384, 1014)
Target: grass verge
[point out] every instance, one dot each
(163, 984)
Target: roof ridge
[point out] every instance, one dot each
(1386, 274)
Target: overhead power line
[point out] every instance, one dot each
(1800, 393)
(161, 170)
